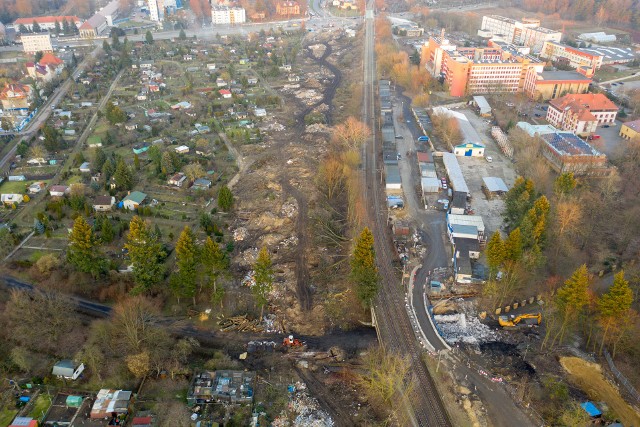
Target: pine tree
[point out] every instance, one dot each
(123, 176)
(263, 277)
(106, 47)
(564, 184)
(518, 201)
(214, 263)
(99, 158)
(225, 198)
(146, 255)
(513, 245)
(364, 272)
(136, 162)
(106, 230)
(148, 37)
(182, 35)
(35, 27)
(183, 281)
(496, 253)
(571, 300)
(82, 252)
(614, 305)
(66, 28)
(56, 29)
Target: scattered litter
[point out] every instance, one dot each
(240, 324)
(305, 409)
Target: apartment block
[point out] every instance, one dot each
(526, 32)
(37, 42)
(224, 15)
(571, 56)
(581, 113)
(156, 10)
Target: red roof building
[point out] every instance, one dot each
(16, 95)
(225, 93)
(581, 113)
(46, 22)
(288, 8)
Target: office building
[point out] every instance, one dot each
(571, 56)
(225, 15)
(527, 32)
(36, 42)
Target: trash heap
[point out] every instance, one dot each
(303, 409)
(464, 326)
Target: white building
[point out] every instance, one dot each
(527, 32)
(599, 37)
(38, 42)
(224, 15)
(156, 10)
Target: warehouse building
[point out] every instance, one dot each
(566, 152)
(456, 178)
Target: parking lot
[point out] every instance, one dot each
(475, 168)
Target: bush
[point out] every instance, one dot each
(47, 263)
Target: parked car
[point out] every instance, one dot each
(606, 126)
(594, 137)
(489, 159)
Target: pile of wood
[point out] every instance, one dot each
(240, 324)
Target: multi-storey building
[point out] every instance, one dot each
(36, 42)
(581, 113)
(566, 152)
(224, 15)
(46, 23)
(16, 96)
(546, 85)
(572, 56)
(499, 67)
(527, 32)
(156, 10)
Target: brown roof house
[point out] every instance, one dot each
(103, 203)
(15, 96)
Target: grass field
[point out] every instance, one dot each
(40, 406)
(6, 416)
(588, 376)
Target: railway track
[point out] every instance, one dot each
(395, 330)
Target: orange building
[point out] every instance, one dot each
(499, 67)
(288, 8)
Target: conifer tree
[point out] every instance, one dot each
(614, 305)
(496, 253)
(83, 252)
(145, 254)
(183, 281)
(364, 272)
(263, 277)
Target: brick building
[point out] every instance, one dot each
(581, 113)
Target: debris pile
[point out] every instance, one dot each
(306, 410)
(288, 242)
(317, 128)
(289, 209)
(239, 234)
(464, 326)
(318, 50)
(272, 126)
(308, 96)
(240, 324)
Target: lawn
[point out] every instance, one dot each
(603, 76)
(6, 416)
(15, 187)
(40, 406)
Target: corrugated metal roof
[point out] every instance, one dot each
(393, 174)
(495, 184)
(454, 172)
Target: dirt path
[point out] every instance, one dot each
(303, 289)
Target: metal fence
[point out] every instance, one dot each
(621, 378)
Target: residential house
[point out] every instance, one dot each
(133, 200)
(36, 187)
(630, 130)
(201, 184)
(260, 112)
(146, 65)
(252, 81)
(581, 113)
(49, 67)
(67, 369)
(187, 57)
(177, 180)
(10, 199)
(16, 96)
(85, 167)
(226, 94)
(211, 67)
(220, 82)
(103, 203)
(285, 67)
(58, 190)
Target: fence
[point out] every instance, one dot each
(621, 378)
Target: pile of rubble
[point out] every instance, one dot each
(464, 326)
(318, 50)
(240, 324)
(289, 209)
(305, 409)
(317, 128)
(308, 96)
(272, 126)
(239, 234)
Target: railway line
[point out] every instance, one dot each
(425, 405)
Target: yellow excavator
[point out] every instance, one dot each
(529, 319)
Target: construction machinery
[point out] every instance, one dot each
(528, 319)
(293, 343)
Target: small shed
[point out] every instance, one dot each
(428, 170)
(142, 422)
(393, 180)
(401, 229)
(430, 185)
(24, 422)
(395, 202)
(183, 149)
(424, 157)
(494, 186)
(201, 184)
(58, 190)
(459, 203)
(177, 180)
(483, 106)
(133, 200)
(68, 369)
